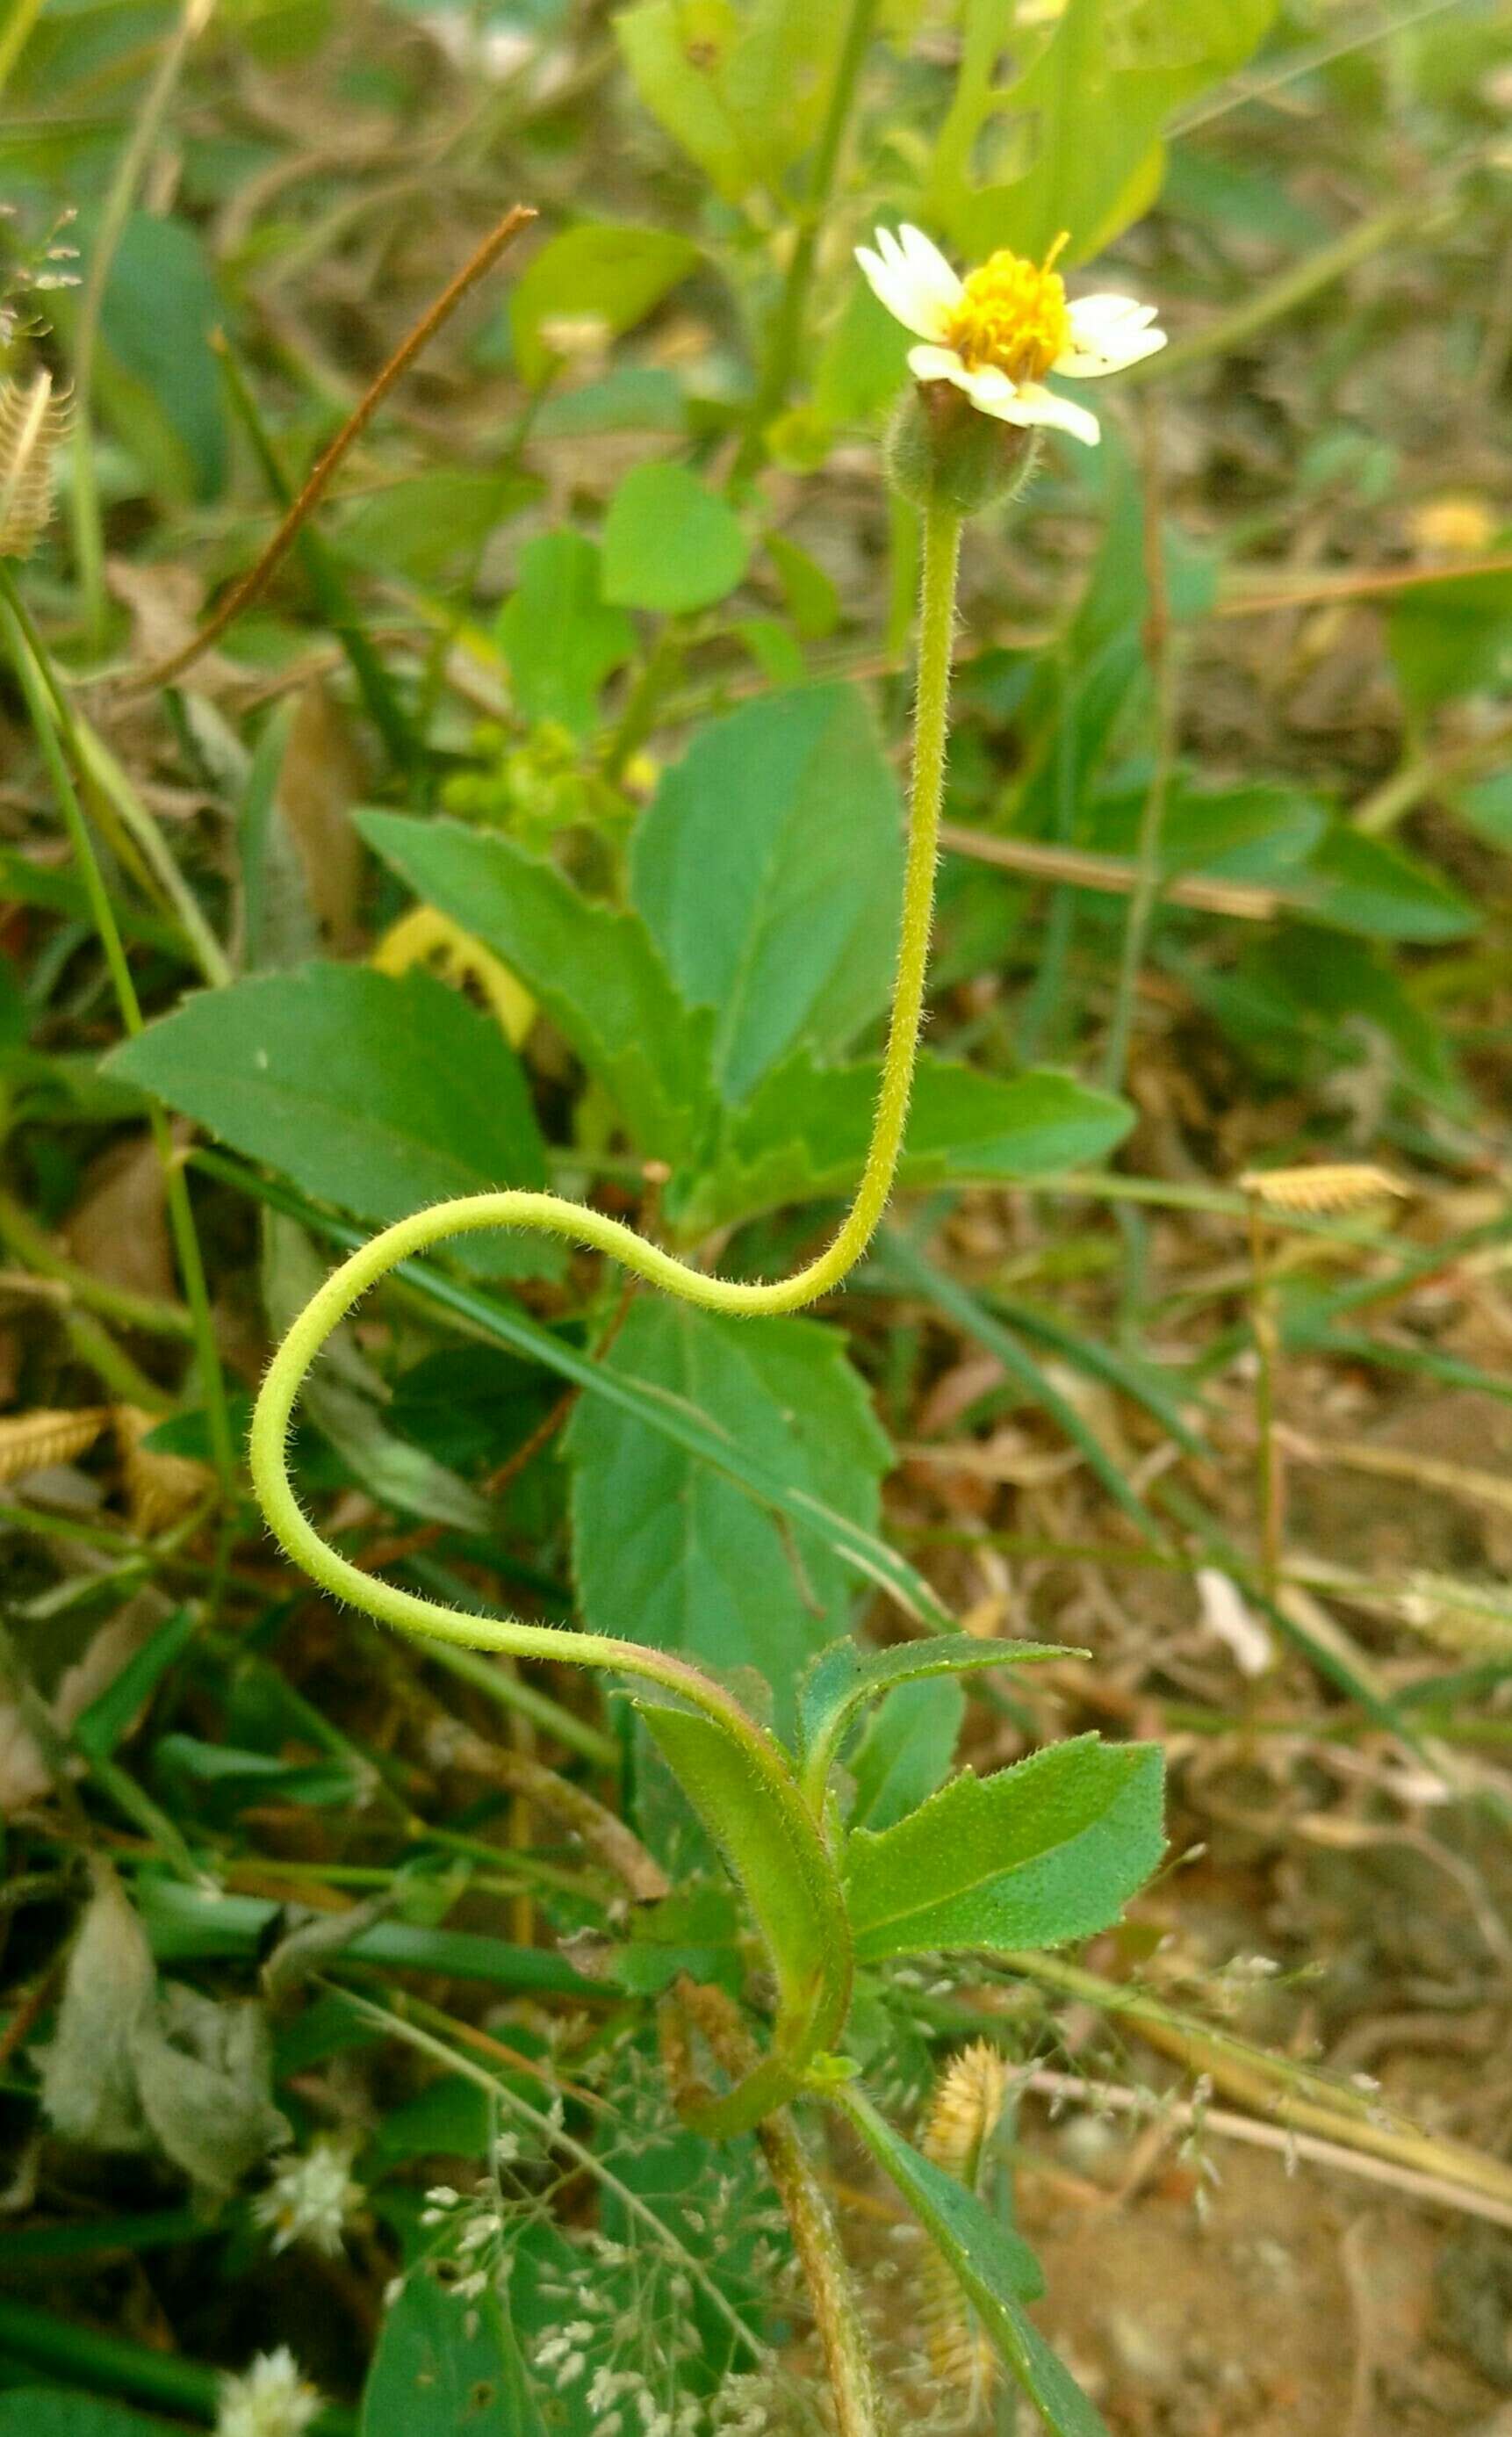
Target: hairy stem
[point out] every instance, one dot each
(548, 1214)
(752, 1748)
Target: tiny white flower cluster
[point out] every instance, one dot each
(625, 2337)
(743, 2405)
(270, 2399)
(312, 2198)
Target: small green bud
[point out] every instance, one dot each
(944, 451)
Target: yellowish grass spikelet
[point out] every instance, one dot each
(160, 1489)
(964, 2115)
(31, 1442)
(1468, 1620)
(1325, 1187)
(34, 423)
(967, 2109)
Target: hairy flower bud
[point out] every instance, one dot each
(941, 453)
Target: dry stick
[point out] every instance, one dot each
(1357, 583)
(1186, 2114)
(243, 594)
(1271, 1480)
(1274, 2087)
(1115, 874)
(1493, 1489)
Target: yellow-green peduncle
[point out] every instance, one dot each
(811, 2019)
(550, 1214)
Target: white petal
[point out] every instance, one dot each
(1107, 333)
(935, 364)
(895, 278)
(987, 387)
(892, 286)
(930, 269)
(1114, 310)
(1032, 404)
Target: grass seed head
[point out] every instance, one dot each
(34, 423)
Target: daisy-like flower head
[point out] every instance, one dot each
(312, 2198)
(271, 2399)
(995, 334)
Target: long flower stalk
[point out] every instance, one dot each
(551, 1214)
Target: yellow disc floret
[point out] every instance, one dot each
(1011, 315)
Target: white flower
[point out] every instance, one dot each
(311, 2197)
(271, 2399)
(998, 331)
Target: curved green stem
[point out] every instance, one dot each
(548, 1214)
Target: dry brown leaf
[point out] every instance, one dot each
(33, 1442)
(320, 779)
(164, 601)
(118, 1228)
(25, 1775)
(160, 1489)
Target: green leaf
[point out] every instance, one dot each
(1370, 886)
(161, 304)
(594, 971)
(432, 2378)
(198, 1925)
(57, 2412)
(1453, 638)
(1486, 806)
(769, 871)
(669, 543)
(428, 522)
(378, 1094)
(803, 1134)
(907, 1751)
(1261, 833)
(741, 91)
(604, 270)
(811, 595)
(559, 634)
(845, 1677)
(863, 362)
(1049, 1850)
(667, 1549)
(766, 1837)
(1088, 110)
(988, 2260)
(99, 1728)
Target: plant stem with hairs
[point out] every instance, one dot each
(810, 2017)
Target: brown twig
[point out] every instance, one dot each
(1116, 875)
(243, 594)
(1171, 2115)
(1357, 583)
